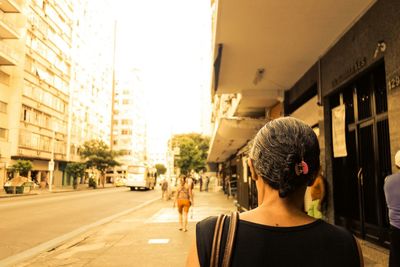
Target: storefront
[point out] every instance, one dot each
(358, 85)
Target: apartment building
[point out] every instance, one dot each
(41, 45)
(12, 48)
(92, 70)
(129, 118)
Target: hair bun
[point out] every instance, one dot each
(289, 173)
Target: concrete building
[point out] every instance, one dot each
(40, 40)
(129, 118)
(308, 61)
(12, 48)
(92, 75)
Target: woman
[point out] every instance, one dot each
(317, 195)
(183, 199)
(284, 160)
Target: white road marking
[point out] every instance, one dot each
(158, 241)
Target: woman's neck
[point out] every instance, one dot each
(277, 211)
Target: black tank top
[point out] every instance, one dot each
(315, 244)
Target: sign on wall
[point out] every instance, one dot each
(339, 131)
(245, 174)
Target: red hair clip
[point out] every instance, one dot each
(301, 168)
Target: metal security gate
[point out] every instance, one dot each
(358, 178)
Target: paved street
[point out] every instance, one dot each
(148, 236)
(32, 220)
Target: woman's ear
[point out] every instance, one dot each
(252, 171)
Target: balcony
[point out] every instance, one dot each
(7, 30)
(7, 56)
(9, 6)
(230, 134)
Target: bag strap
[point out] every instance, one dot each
(230, 239)
(216, 245)
(217, 240)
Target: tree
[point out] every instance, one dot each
(99, 156)
(161, 169)
(22, 167)
(193, 151)
(76, 170)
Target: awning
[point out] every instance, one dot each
(310, 112)
(230, 134)
(254, 102)
(269, 45)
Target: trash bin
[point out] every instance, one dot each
(18, 186)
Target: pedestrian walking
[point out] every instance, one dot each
(201, 182)
(392, 195)
(164, 189)
(206, 182)
(183, 199)
(284, 159)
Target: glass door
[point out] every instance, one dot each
(358, 177)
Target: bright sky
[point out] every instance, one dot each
(170, 42)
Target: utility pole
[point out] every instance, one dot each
(113, 88)
(51, 162)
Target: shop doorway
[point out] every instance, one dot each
(358, 178)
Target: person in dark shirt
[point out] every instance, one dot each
(284, 160)
(392, 195)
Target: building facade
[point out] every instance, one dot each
(39, 74)
(129, 119)
(341, 74)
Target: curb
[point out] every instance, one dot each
(54, 192)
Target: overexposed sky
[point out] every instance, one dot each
(170, 42)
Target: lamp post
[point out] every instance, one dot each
(51, 162)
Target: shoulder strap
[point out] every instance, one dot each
(217, 240)
(215, 250)
(360, 254)
(230, 239)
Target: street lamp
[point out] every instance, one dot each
(51, 162)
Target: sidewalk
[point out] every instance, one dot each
(150, 237)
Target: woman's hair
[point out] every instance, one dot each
(285, 154)
(183, 178)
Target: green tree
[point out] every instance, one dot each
(193, 151)
(22, 167)
(99, 156)
(161, 169)
(75, 170)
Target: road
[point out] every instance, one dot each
(27, 222)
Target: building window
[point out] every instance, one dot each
(125, 152)
(3, 107)
(126, 122)
(126, 132)
(125, 101)
(4, 78)
(3, 133)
